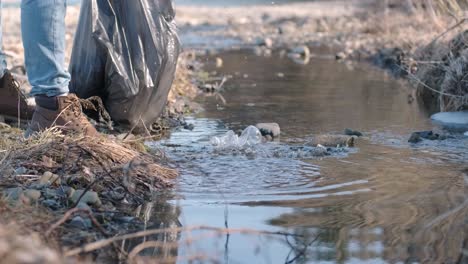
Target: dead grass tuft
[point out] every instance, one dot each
(84, 162)
(442, 72)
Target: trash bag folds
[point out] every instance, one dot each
(126, 53)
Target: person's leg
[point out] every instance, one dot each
(3, 64)
(43, 31)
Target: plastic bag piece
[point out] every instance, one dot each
(126, 53)
(250, 136)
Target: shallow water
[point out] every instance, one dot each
(385, 201)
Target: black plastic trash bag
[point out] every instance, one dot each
(125, 52)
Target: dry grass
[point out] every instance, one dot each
(442, 75)
(183, 85)
(99, 162)
(16, 248)
(93, 164)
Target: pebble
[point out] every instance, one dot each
(50, 193)
(125, 219)
(3, 125)
(297, 58)
(84, 206)
(340, 56)
(271, 129)
(117, 193)
(33, 195)
(350, 132)
(50, 178)
(80, 223)
(287, 27)
(189, 127)
(90, 197)
(303, 51)
(13, 194)
(267, 42)
(51, 203)
(280, 75)
(219, 62)
(417, 137)
(21, 171)
(332, 141)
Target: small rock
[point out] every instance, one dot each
(268, 138)
(50, 178)
(332, 141)
(69, 191)
(297, 58)
(415, 138)
(303, 51)
(90, 198)
(189, 127)
(3, 125)
(466, 134)
(125, 219)
(271, 129)
(33, 195)
(429, 135)
(287, 27)
(280, 75)
(79, 222)
(219, 62)
(84, 206)
(13, 194)
(340, 56)
(350, 132)
(52, 204)
(117, 193)
(50, 193)
(21, 171)
(267, 42)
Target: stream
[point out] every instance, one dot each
(384, 201)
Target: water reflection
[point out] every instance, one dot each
(386, 201)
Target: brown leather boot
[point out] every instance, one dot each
(68, 117)
(12, 101)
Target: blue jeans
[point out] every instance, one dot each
(43, 32)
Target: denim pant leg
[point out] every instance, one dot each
(43, 30)
(3, 64)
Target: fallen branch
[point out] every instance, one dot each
(106, 242)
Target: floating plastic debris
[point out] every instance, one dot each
(250, 136)
(452, 118)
